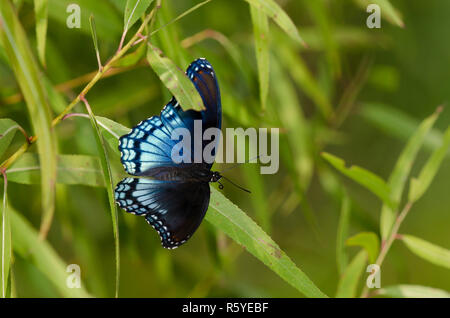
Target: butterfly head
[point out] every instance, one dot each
(215, 176)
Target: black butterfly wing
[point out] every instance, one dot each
(174, 209)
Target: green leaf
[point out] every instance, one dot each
(261, 36)
(277, 14)
(364, 177)
(134, 9)
(41, 12)
(412, 291)
(112, 131)
(388, 12)
(17, 48)
(428, 251)
(367, 240)
(348, 283)
(71, 169)
(419, 185)
(107, 175)
(399, 175)
(8, 129)
(174, 79)
(27, 244)
(342, 233)
(235, 223)
(5, 248)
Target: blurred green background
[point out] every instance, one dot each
(353, 92)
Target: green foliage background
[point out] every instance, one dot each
(351, 91)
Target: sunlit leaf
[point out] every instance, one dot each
(364, 177)
(419, 185)
(428, 251)
(367, 240)
(342, 233)
(412, 291)
(348, 283)
(134, 9)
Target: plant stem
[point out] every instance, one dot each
(387, 244)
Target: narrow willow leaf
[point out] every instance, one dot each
(134, 9)
(95, 40)
(277, 14)
(17, 48)
(348, 283)
(107, 175)
(367, 240)
(112, 131)
(235, 223)
(388, 11)
(39, 252)
(41, 12)
(364, 177)
(412, 291)
(419, 185)
(399, 175)
(261, 36)
(71, 169)
(5, 231)
(428, 251)
(342, 233)
(174, 79)
(8, 128)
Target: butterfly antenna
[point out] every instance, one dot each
(238, 164)
(237, 186)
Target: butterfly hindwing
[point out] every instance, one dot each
(174, 209)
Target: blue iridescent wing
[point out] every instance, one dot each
(149, 144)
(173, 209)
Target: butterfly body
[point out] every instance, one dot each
(173, 197)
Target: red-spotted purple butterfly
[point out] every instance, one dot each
(172, 197)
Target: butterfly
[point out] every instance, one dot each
(173, 197)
